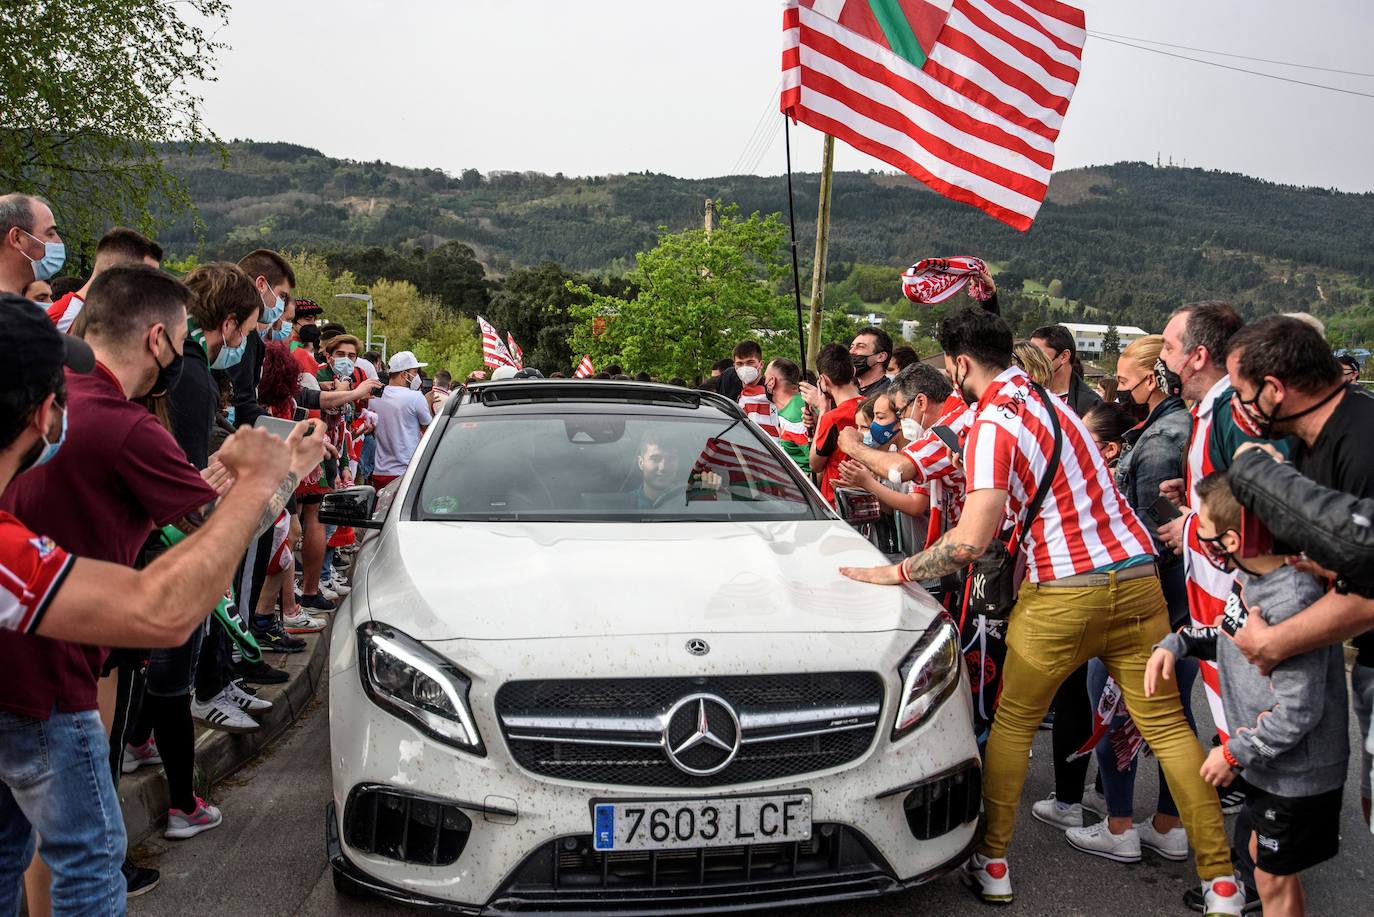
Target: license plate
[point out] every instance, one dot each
(669, 824)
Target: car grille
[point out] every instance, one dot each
(610, 731)
(568, 875)
(401, 826)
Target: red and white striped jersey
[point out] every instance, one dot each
(1208, 588)
(64, 311)
(31, 570)
(936, 474)
(1199, 458)
(1085, 523)
(758, 407)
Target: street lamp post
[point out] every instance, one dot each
(367, 298)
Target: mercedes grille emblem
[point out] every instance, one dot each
(701, 735)
(698, 647)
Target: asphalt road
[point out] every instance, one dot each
(268, 858)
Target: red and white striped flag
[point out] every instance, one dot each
(517, 355)
(748, 469)
(584, 369)
(965, 96)
(494, 353)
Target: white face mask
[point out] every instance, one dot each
(414, 382)
(912, 429)
(747, 374)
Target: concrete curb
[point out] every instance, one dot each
(143, 794)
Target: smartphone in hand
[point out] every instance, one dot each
(948, 437)
(1162, 511)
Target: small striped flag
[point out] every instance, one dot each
(516, 354)
(494, 353)
(746, 470)
(584, 369)
(965, 96)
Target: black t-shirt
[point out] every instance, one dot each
(192, 402)
(1340, 459)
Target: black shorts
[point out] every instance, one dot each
(1293, 833)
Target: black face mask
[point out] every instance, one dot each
(1138, 411)
(168, 375)
(1168, 381)
(860, 361)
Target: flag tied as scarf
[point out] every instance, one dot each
(965, 96)
(933, 280)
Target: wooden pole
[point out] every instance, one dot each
(822, 252)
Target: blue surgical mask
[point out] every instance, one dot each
(50, 449)
(281, 334)
(230, 356)
(343, 366)
(273, 312)
(882, 433)
(54, 255)
(229, 415)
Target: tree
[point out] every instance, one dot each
(532, 304)
(1111, 342)
(697, 297)
(1056, 289)
(94, 94)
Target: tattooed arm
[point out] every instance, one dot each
(278, 503)
(958, 547)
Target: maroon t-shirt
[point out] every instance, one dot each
(118, 475)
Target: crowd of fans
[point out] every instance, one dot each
(167, 445)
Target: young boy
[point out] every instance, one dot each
(834, 398)
(753, 398)
(1289, 739)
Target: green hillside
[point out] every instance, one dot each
(1121, 244)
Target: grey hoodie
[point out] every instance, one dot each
(1288, 729)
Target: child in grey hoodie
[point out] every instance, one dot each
(1289, 739)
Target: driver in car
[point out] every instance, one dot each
(660, 468)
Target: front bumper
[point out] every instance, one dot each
(528, 846)
(852, 875)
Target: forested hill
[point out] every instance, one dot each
(1122, 243)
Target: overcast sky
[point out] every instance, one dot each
(605, 86)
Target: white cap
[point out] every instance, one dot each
(403, 361)
(503, 372)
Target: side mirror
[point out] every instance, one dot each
(857, 507)
(353, 506)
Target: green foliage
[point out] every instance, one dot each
(533, 305)
(698, 296)
(450, 272)
(93, 95)
(1111, 343)
(408, 319)
(1055, 289)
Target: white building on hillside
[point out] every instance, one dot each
(1088, 338)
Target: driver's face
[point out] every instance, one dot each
(660, 467)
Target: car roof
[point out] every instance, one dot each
(535, 394)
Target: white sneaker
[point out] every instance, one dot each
(222, 714)
(298, 622)
(1172, 844)
(135, 756)
(1098, 840)
(990, 879)
(1053, 812)
(1094, 802)
(328, 593)
(337, 584)
(248, 703)
(1223, 897)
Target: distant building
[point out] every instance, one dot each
(1088, 338)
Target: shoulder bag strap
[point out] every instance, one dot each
(1051, 469)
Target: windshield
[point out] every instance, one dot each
(608, 467)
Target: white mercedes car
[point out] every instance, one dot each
(598, 658)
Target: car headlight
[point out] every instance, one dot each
(929, 674)
(418, 685)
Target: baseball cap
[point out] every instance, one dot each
(503, 372)
(402, 361)
(1349, 362)
(38, 351)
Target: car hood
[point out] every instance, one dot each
(512, 581)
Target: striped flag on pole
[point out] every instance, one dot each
(965, 96)
(584, 369)
(516, 354)
(494, 353)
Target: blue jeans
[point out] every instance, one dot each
(367, 457)
(1119, 786)
(55, 778)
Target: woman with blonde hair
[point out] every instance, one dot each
(1153, 453)
(1033, 362)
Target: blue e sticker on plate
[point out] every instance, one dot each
(604, 836)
